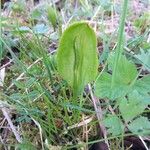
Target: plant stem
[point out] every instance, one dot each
(99, 115)
(120, 40)
(1, 47)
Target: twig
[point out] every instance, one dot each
(40, 130)
(82, 123)
(5, 113)
(143, 143)
(6, 64)
(98, 110)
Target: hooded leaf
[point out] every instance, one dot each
(77, 59)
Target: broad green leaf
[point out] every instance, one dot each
(126, 74)
(140, 126)
(103, 87)
(133, 106)
(126, 70)
(114, 125)
(77, 59)
(143, 85)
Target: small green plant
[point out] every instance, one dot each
(77, 59)
(122, 86)
(45, 82)
(77, 64)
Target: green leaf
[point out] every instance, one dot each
(143, 85)
(140, 126)
(133, 106)
(125, 75)
(114, 125)
(126, 70)
(103, 87)
(144, 57)
(77, 59)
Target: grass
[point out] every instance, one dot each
(36, 99)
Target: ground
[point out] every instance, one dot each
(37, 106)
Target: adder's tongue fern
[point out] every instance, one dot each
(77, 59)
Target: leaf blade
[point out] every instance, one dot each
(77, 60)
